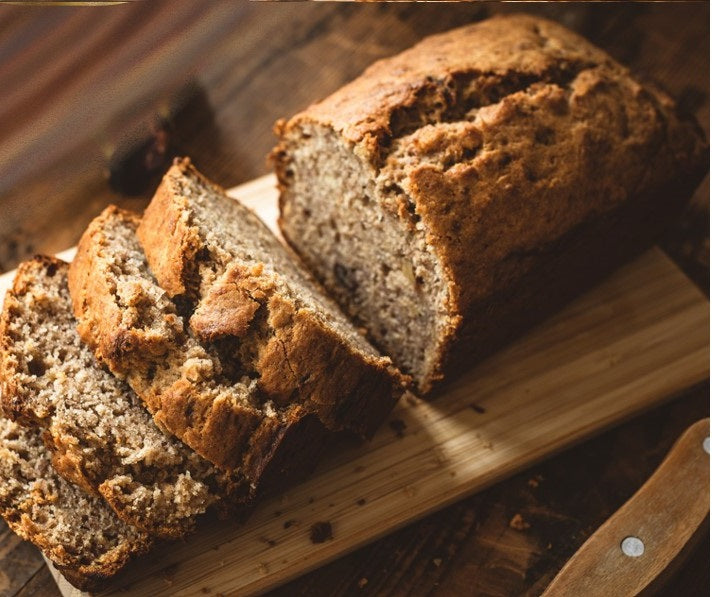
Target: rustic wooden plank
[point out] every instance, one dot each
(41, 584)
(634, 341)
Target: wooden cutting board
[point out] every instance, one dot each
(636, 340)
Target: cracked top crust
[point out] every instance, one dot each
(498, 139)
(243, 286)
(470, 63)
(478, 127)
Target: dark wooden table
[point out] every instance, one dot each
(94, 102)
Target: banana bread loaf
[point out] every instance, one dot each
(100, 436)
(455, 194)
(205, 394)
(241, 286)
(86, 541)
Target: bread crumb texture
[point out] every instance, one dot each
(77, 531)
(99, 434)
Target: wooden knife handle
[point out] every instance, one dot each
(639, 546)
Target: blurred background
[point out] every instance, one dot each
(96, 100)
(94, 103)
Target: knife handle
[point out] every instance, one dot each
(637, 548)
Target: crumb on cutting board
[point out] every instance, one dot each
(320, 532)
(518, 523)
(534, 481)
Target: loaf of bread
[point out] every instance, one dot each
(241, 288)
(99, 434)
(80, 533)
(457, 193)
(203, 394)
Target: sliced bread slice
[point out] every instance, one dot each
(98, 432)
(240, 285)
(86, 541)
(205, 394)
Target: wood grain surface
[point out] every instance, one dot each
(634, 341)
(94, 102)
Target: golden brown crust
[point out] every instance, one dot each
(230, 305)
(173, 259)
(87, 577)
(509, 133)
(229, 433)
(98, 313)
(297, 357)
(301, 357)
(218, 429)
(370, 110)
(171, 240)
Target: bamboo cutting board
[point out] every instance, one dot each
(633, 342)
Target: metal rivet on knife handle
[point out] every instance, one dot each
(632, 547)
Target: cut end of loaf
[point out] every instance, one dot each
(359, 235)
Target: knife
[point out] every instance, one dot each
(638, 548)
